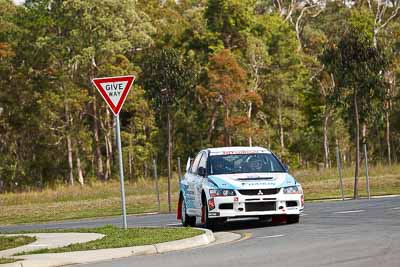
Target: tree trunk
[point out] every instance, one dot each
(326, 141)
(70, 161)
(79, 167)
(130, 157)
(169, 160)
(69, 147)
(226, 128)
(97, 150)
(389, 154)
(249, 118)
(107, 172)
(357, 154)
(281, 131)
(229, 130)
(109, 143)
(212, 124)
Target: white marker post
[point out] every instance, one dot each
(114, 90)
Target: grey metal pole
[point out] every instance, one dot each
(156, 184)
(366, 170)
(179, 168)
(339, 166)
(121, 172)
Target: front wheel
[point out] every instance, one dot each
(207, 222)
(185, 218)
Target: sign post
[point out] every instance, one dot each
(114, 90)
(121, 173)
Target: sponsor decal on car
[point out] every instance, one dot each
(252, 184)
(239, 152)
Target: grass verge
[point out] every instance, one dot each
(7, 242)
(117, 238)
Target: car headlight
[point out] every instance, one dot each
(292, 190)
(222, 192)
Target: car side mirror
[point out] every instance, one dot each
(286, 167)
(201, 171)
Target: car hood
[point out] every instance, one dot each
(251, 180)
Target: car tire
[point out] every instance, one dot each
(185, 218)
(208, 223)
(292, 219)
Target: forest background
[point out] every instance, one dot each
(298, 77)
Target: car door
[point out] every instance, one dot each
(198, 181)
(190, 194)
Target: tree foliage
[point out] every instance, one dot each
(287, 75)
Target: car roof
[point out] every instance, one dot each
(237, 150)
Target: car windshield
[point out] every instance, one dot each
(244, 163)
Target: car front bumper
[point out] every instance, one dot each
(256, 205)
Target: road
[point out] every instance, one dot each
(350, 233)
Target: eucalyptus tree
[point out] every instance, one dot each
(356, 66)
(167, 76)
(285, 79)
(390, 39)
(11, 164)
(258, 61)
(385, 16)
(320, 24)
(100, 38)
(229, 20)
(67, 43)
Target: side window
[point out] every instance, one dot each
(195, 163)
(203, 161)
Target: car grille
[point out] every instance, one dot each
(226, 206)
(260, 206)
(255, 192)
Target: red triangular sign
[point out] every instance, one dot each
(114, 90)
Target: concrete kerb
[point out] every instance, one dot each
(78, 257)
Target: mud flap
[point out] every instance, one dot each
(179, 209)
(203, 215)
(278, 219)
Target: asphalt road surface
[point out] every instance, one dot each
(350, 233)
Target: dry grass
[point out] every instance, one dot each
(103, 199)
(98, 190)
(384, 180)
(98, 200)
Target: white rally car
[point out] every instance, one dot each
(233, 182)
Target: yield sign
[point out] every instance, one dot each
(114, 90)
